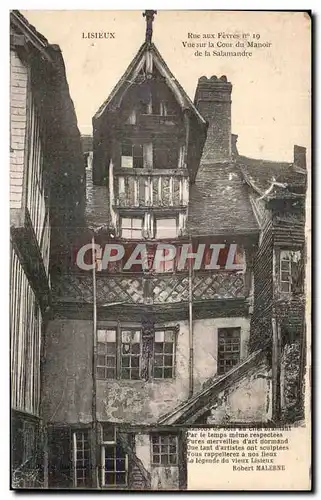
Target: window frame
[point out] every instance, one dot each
(131, 355)
(222, 352)
(168, 453)
(115, 444)
(133, 147)
(106, 367)
(163, 353)
(131, 229)
(75, 450)
(119, 329)
(288, 271)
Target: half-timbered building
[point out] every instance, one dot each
(45, 148)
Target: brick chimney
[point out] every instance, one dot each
(299, 157)
(213, 100)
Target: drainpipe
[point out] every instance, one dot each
(94, 390)
(190, 319)
(276, 347)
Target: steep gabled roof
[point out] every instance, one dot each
(115, 98)
(219, 202)
(271, 178)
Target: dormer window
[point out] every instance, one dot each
(132, 155)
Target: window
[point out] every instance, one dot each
(131, 228)
(114, 460)
(164, 449)
(81, 458)
(228, 348)
(106, 354)
(165, 228)
(125, 365)
(285, 269)
(291, 272)
(130, 354)
(165, 156)
(164, 354)
(132, 156)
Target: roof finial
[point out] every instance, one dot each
(149, 14)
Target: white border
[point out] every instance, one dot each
(4, 195)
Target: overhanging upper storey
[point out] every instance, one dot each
(149, 116)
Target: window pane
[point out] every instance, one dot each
(136, 223)
(135, 373)
(285, 265)
(126, 162)
(285, 255)
(228, 348)
(169, 336)
(158, 348)
(166, 228)
(110, 451)
(101, 348)
(110, 373)
(285, 276)
(126, 223)
(126, 336)
(126, 233)
(109, 434)
(111, 335)
(100, 360)
(168, 360)
(285, 287)
(159, 336)
(126, 348)
(121, 478)
(158, 373)
(138, 150)
(110, 479)
(158, 360)
(126, 149)
(173, 459)
(136, 336)
(101, 335)
(111, 348)
(164, 459)
(135, 362)
(111, 361)
(125, 361)
(109, 464)
(135, 348)
(168, 348)
(101, 373)
(126, 373)
(168, 372)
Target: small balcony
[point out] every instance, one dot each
(157, 190)
(153, 121)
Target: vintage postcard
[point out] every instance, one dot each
(160, 297)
